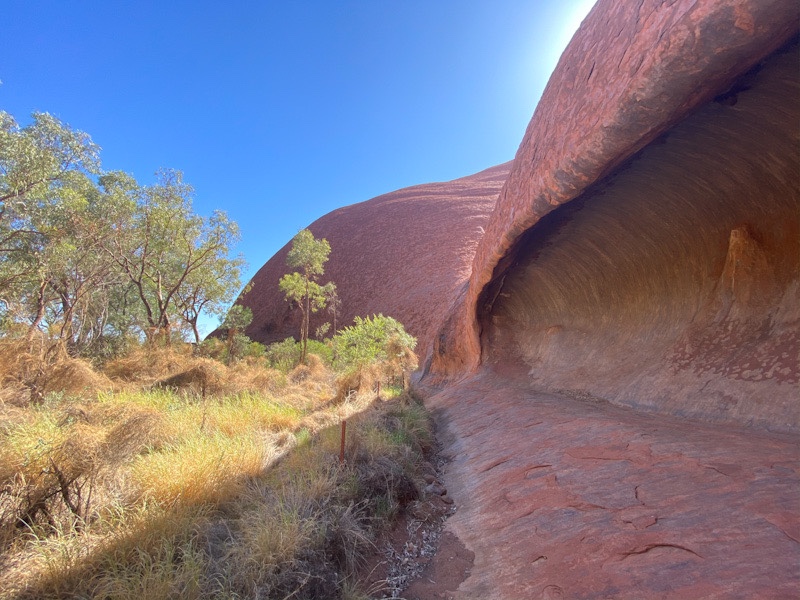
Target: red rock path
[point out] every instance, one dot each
(564, 498)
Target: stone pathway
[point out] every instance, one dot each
(563, 498)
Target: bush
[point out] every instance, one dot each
(373, 351)
(241, 347)
(284, 355)
(374, 339)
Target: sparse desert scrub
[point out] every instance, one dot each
(305, 527)
(158, 491)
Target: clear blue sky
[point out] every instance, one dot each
(279, 112)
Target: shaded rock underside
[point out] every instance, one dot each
(674, 284)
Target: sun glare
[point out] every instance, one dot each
(573, 17)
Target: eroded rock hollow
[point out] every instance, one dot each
(672, 284)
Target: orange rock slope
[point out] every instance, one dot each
(406, 254)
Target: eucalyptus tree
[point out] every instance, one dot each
(44, 169)
(309, 255)
(209, 289)
(35, 158)
(170, 255)
(93, 260)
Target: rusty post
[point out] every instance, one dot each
(341, 447)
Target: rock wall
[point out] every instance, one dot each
(406, 254)
(673, 284)
(645, 246)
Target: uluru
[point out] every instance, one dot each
(609, 325)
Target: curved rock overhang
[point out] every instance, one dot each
(645, 247)
(673, 284)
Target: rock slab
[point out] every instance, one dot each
(561, 498)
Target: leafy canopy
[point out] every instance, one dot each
(90, 257)
(375, 339)
(309, 256)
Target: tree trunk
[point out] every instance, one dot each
(195, 331)
(40, 306)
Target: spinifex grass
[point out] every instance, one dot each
(202, 468)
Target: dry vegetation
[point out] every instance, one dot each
(164, 474)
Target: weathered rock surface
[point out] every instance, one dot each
(405, 254)
(646, 246)
(563, 498)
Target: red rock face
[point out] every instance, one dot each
(405, 254)
(661, 160)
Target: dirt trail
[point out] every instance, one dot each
(564, 498)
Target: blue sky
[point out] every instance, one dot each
(279, 112)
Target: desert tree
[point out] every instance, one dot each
(209, 290)
(44, 188)
(234, 324)
(169, 254)
(308, 255)
(91, 257)
(35, 159)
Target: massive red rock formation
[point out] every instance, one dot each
(645, 248)
(622, 359)
(406, 254)
(644, 252)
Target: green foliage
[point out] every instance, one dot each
(32, 158)
(171, 256)
(94, 263)
(238, 318)
(237, 347)
(309, 255)
(371, 340)
(324, 350)
(284, 355)
(47, 205)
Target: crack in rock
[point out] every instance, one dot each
(649, 547)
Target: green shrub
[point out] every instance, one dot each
(371, 340)
(373, 352)
(284, 355)
(322, 349)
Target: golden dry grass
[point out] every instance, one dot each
(111, 482)
(33, 368)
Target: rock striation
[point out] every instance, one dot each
(405, 254)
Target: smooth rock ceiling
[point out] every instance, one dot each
(674, 283)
